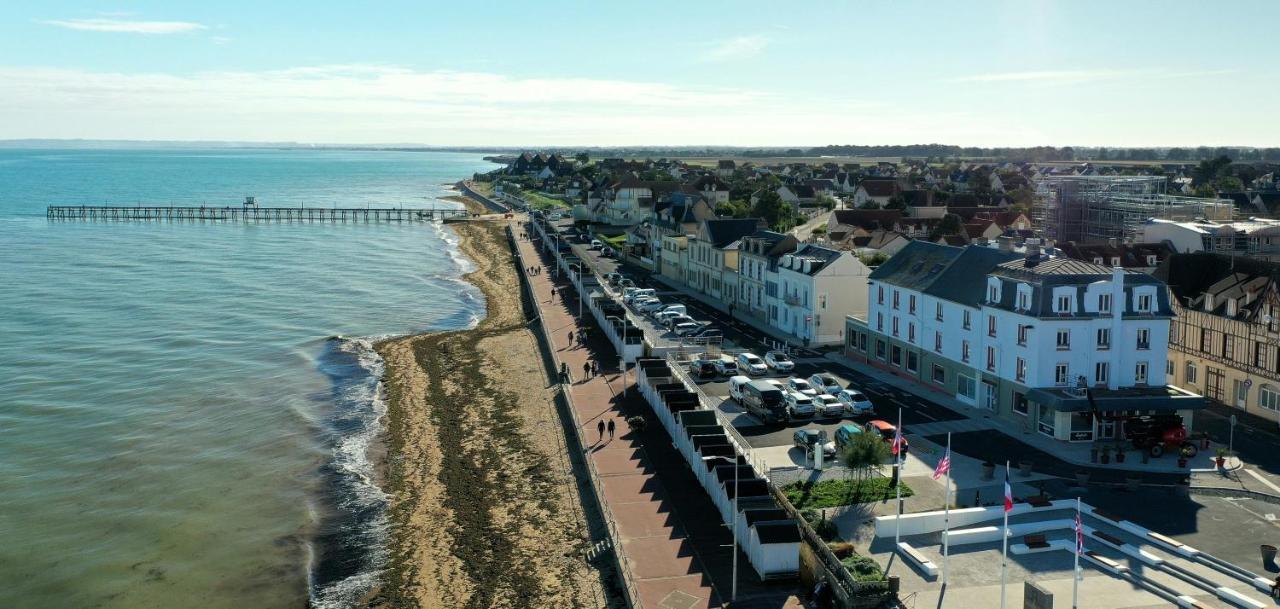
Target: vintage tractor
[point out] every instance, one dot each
(1158, 433)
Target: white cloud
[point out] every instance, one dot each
(740, 47)
(127, 26)
(1071, 77)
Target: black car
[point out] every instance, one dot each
(709, 332)
(703, 369)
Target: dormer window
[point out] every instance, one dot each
(1023, 301)
(993, 294)
(1104, 303)
(1151, 260)
(1144, 303)
(1097, 259)
(1062, 304)
(1115, 261)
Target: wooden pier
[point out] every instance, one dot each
(250, 213)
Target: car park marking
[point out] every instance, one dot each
(1262, 480)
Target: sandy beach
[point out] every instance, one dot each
(485, 506)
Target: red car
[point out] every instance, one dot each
(886, 431)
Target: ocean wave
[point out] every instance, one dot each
(352, 539)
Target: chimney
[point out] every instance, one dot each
(1113, 242)
(1033, 248)
(1005, 243)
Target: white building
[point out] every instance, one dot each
(1064, 347)
(817, 288)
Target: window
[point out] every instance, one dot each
(1104, 338)
(895, 326)
(862, 342)
(991, 359)
(1205, 339)
(1269, 398)
(964, 351)
(967, 323)
(1104, 303)
(939, 374)
(1168, 367)
(1144, 303)
(939, 314)
(1259, 355)
(1063, 304)
(895, 355)
(1022, 334)
(1144, 338)
(880, 349)
(991, 326)
(1021, 370)
(966, 387)
(896, 297)
(1020, 404)
(911, 333)
(993, 294)
(879, 322)
(1101, 371)
(879, 294)
(1060, 374)
(1140, 373)
(937, 342)
(1064, 339)
(1228, 346)
(911, 304)
(1023, 301)
(1191, 373)
(913, 361)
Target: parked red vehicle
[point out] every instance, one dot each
(1158, 433)
(886, 430)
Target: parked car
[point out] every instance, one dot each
(752, 364)
(886, 431)
(675, 308)
(626, 282)
(828, 406)
(844, 435)
(799, 405)
(650, 305)
(606, 252)
(613, 278)
(763, 399)
(807, 439)
(779, 361)
(665, 317)
(737, 384)
(630, 292)
(675, 320)
(554, 216)
(703, 369)
(687, 328)
(825, 383)
(726, 366)
(855, 402)
(709, 332)
(595, 244)
(801, 386)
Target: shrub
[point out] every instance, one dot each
(863, 568)
(821, 525)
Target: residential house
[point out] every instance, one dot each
(758, 255)
(712, 188)
(843, 223)
(677, 218)
(1142, 257)
(1225, 341)
(725, 168)
(818, 287)
(1067, 349)
(713, 253)
(877, 190)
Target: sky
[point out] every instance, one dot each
(553, 73)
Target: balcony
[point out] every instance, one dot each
(791, 299)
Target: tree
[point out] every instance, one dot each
(865, 451)
(733, 209)
(950, 225)
(1228, 184)
(1177, 154)
(869, 205)
(773, 210)
(582, 157)
(896, 202)
(875, 259)
(1211, 169)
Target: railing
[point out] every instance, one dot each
(630, 594)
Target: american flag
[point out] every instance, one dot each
(943, 466)
(1079, 527)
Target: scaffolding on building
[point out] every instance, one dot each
(1088, 209)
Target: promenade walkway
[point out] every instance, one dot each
(663, 564)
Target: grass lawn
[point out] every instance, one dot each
(832, 493)
(538, 201)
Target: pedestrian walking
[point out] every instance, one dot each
(595, 368)
(586, 369)
(553, 297)
(610, 429)
(570, 338)
(600, 427)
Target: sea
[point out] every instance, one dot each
(187, 408)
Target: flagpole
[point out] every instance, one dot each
(1075, 571)
(946, 515)
(1004, 552)
(897, 470)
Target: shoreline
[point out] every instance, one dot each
(484, 505)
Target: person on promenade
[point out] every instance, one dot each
(586, 370)
(570, 338)
(600, 428)
(553, 296)
(595, 368)
(610, 429)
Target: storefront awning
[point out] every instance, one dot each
(1118, 400)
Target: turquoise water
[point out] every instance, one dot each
(176, 429)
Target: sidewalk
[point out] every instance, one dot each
(658, 555)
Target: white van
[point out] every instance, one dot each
(736, 383)
(640, 293)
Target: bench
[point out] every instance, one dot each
(1111, 539)
(919, 559)
(1165, 540)
(1191, 603)
(1039, 501)
(1109, 516)
(1035, 542)
(1107, 562)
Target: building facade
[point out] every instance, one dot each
(818, 287)
(1063, 347)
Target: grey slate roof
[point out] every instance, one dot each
(723, 231)
(916, 266)
(965, 279)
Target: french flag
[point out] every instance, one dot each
(1008, 491)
